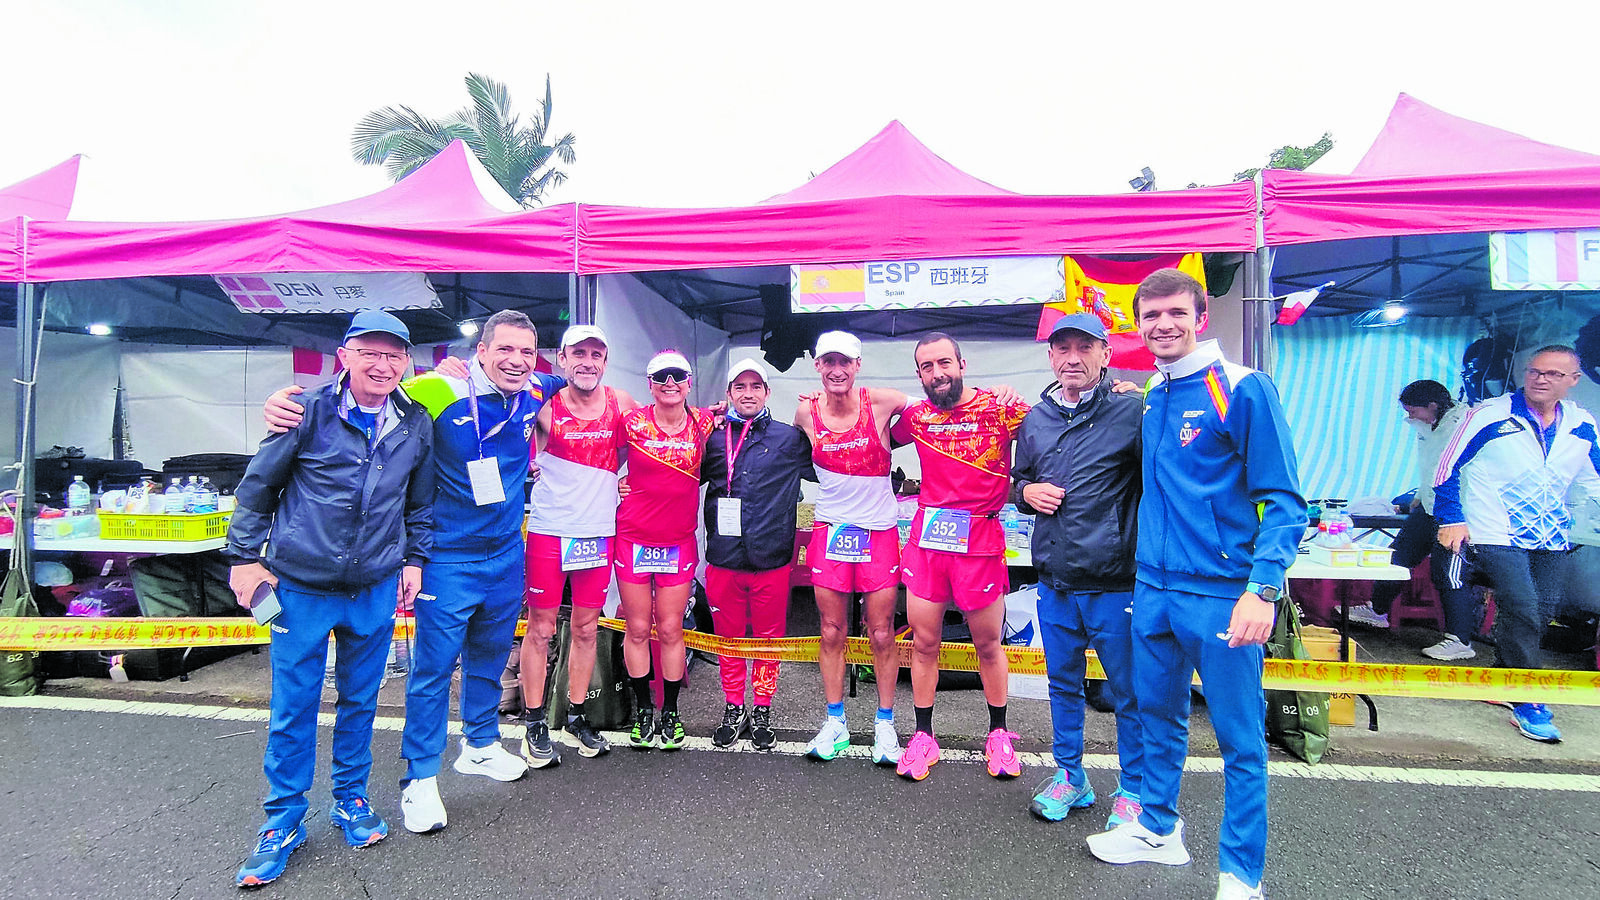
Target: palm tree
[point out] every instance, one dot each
(516, 154)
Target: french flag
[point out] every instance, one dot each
(1296, 304)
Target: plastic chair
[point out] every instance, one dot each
(1419, 602)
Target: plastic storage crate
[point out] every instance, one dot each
(123, 527)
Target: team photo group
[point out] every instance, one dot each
(1166, 518)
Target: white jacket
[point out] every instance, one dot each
(1497, 477)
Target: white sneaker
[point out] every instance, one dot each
(493, 761)
(1449, 648)
(1366, 615)
(832, 740)
(1131, 842)
(1229, 887)
(886, 748)
(421, 807)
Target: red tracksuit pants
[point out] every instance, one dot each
(756, 603)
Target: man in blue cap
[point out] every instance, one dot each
(1077, 472)
(346, 496)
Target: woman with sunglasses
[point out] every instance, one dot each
(656, 550)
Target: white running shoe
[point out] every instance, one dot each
(832, 740)
(886, 749)
(1366, 615)
(493, 761)
(421, 807)
(1229, 887)
(1450, 648)
(1131, 842)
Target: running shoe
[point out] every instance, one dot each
(735, 719)
(1131, 842)
(920, 755)
(1231, 887)
(421, 807)
(271, 855)
(361, 824)
(762, 737)
(1366, 615)
(886, 749)
(1534, 721)
(1449, 649)
(537, 748)
(643, 735)
(830, 741)
(1057, 796)
(590, 743)
(997, 752)
(1125, 807)
(492, 761)
(669, 733)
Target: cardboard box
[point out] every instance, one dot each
(1335, 556)
(1323, 644)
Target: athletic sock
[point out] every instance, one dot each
(574, 712)
(533, 714)
(997, 716)
(885, 715)
(641, 692)
(924, 719)
(836, 710)
(669, 694)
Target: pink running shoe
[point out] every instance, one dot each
(1125, 807)
(921, 754)
(1003, 762)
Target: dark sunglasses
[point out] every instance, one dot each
(670, 376)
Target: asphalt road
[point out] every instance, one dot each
(165, 805)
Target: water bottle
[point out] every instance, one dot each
(1008, 522)
(77, 497)
(174, 498)
(191, 493)
(205, 499)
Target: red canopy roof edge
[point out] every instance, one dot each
(47, 195)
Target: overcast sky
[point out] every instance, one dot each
(205, 109)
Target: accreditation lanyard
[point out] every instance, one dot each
(733, 449)
(477, 423)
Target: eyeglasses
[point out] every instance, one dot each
(670, 376)
(1550, 375)
(373, 356)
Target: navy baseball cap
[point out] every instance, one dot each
(376, 321)
(1084, 322)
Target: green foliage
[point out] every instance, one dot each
(1291, 157)
(515, 153)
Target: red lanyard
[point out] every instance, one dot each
(733, 452)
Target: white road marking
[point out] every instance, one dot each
(1543, 781)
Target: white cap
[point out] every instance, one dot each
(748, 364)
(577, 334)
(667, 359)
(840, 342)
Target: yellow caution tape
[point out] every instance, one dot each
(1375, 679)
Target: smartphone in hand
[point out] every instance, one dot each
(264, 604)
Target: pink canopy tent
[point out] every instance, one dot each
(47, 195)
(895, 199)
(1430, 172)
(436, 219)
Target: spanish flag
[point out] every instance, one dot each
(1104, 288)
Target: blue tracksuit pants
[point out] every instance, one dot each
(1069, 623)
(1174, 634)
(362, 624)
(466, 610)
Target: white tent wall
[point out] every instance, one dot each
(638, 322)
(184, 400)
(77, 392)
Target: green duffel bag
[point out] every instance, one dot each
(1297, 721)
(18, 668)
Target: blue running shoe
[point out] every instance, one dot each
(1125, 807)
(270, 857)
(1056, 796)
(1533, 720)
(361, 824)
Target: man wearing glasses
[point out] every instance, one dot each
(1501, 500)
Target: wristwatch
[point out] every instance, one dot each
(1265, 592)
